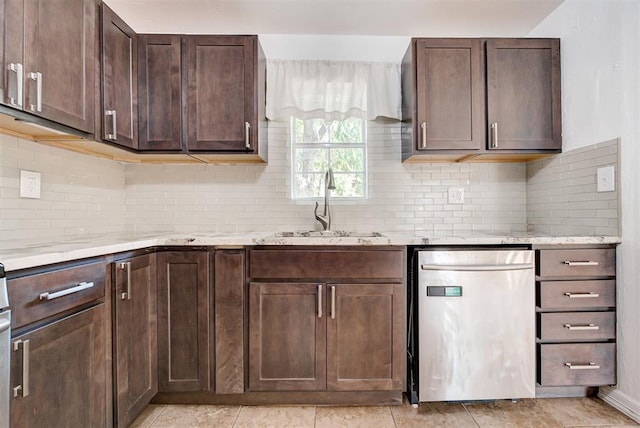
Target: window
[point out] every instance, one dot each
(318, 144)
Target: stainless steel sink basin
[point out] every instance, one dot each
(327, 234)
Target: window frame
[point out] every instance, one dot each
(328, 146)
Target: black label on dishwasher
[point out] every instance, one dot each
(444, 291)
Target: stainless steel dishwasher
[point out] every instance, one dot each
(476, 325)
(5, 340)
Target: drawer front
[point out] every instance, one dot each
(66, 288)
(576, 294)
(327, 264)
(580, 364)
(577, 262)
(578, 326)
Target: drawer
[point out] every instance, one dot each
(66, 288)
(576, 294)
(577, 262)
(580, 364)
(327, 264)
(578, 326)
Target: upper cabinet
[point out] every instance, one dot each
(471, 99)
(119, 81)
(49, 57)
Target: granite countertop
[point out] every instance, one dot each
(17, 255)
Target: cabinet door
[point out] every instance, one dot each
(61, 369)
(287, 337)
(365, 337)
(119, 81)
(221, 93)
(135, 336)
(523, 94)
(59, 61)
(183, 320)
(449, 95)
(11, 49)
(160, 103)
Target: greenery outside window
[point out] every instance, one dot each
(318, 144)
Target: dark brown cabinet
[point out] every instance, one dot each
(308, 333)
(474, 99)
(135, 336)
(119, 53)
(50, 59)
(183, 321)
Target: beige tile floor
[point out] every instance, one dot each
(543, 413)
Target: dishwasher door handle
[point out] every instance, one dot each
(477, 268)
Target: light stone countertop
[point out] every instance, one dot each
(17, 255)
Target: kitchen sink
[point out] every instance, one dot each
(327, 234)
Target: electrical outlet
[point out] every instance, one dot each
(456, 195)
(29, 184)
(606, 179)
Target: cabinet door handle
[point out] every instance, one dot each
(494, 135)
(37, 77)
(333, 302)
(319, 300)
(22, 390)
(127, 294)
(582, 327)
(590, 366)
(423, 141)
(581, 263)
(113, 135)
(66, 291)
(16, 68)
(581, 295)
(247, 135)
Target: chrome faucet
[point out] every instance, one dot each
(325, 217)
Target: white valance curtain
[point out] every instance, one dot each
(332, 90)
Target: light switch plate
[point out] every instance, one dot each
(456, 195)
(606, 179)
(29, 184)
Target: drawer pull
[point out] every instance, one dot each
(66, 291)
(582, 327)
(590, 366)
(581, 295)
(581, 263)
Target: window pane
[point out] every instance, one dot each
(347, 131)
(349, 185)
(347, 160)
(309, 185)
(311, 160)
(312, 131)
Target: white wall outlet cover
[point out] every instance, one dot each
(606, 179)
(456, 195)
(29, 184)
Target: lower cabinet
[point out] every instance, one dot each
(135, 336)
(60, 372)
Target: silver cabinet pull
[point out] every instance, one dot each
(22, 390)
(423, 141)
(37, 77)
(127, 294)
(581, 263)
(333, 302)
(590, 366)
(581, 295)
(247, 135)
(319, 300)
(66, 291)
(16, 68)
(582, 327)
(494, 135)
(113, 135)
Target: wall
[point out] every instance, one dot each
(562, 197)
(601, 95)
(187, 198)
(81, 195)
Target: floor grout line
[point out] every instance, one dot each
(235, 420)
(470, 415)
